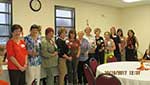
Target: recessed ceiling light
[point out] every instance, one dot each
(130, 1)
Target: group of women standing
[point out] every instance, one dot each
(27, 55)
(67, 55)
(75, 51)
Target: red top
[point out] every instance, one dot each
(18, 51)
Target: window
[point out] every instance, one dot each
(5, 20)
(64, 17)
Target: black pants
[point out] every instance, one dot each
(131, 55)
(99, 56)
(80, 71)
(117, 55)
(17, 77)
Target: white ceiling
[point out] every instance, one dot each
(117, 3)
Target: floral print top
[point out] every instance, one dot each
(36, 46)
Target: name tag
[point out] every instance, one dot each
(22, 45)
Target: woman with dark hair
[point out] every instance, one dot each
(116, 39)
(147, 55)
(62, 54)
(122, 43)
(33, 44)
(17, 56)
(49, 55)
(132, 46)
(74, 48)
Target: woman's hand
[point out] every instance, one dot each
(67, 57)
(21, 68)
(77, 56)
(25, 65)
(55, 53)
(70, 58)
(34, 53)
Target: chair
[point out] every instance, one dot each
(111, 59)
(34, 82)
(89, 74)
(107, 79)
(93, 65)
(2, 82)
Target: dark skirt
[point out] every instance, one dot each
(131, 54)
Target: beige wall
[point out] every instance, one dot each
(138, 18)
(23, 15)
(98, 16)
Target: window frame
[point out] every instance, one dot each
(72, 16)
(9, 13)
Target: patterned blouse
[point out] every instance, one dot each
(131, 42)
(48, 47)
(33, 45)
(84, 48)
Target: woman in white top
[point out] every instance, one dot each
(91, 40)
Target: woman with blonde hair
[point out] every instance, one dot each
(109, 46)
(100, 46)
(91, 40)
(62, 54)
(116, 40)
(83, 57)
